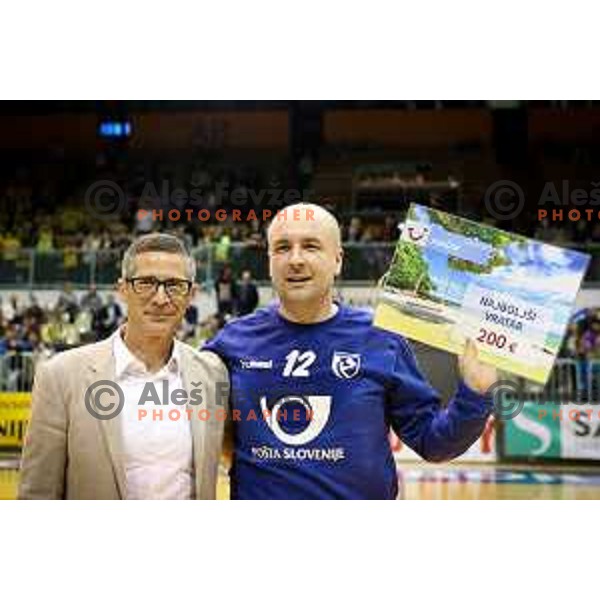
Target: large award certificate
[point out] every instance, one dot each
(451, 279)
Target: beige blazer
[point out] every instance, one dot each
(70, 454)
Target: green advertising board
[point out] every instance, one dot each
(554, 431)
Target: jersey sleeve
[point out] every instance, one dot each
(414, 410)
(219, 346)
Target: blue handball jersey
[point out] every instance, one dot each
(312, 406)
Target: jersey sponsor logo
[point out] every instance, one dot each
(317, 409)
(266, 453)
(256, 364)
(345, 365)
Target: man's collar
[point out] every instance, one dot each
(127, 362)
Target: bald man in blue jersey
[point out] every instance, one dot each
(316, 387)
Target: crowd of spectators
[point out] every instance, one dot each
(45, 208)
(44, 205)
(38, 331)
(30, 331)
(43, 198)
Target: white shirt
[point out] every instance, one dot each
(157, 453)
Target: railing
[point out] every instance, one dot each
(579, 379)
(570, 381)
(32, 269)
(17, 372)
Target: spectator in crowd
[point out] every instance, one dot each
(190, 322)
(91, 301)
(144, 222)
(11, 245)
(354, 230)
(571, 347)
(226, 291)
(590, 340)
(67, 301)
(45, 243)
(223, 248)
(109, 318)
(29, 326)
(254, 236)
(11, 310)
(390, 229)
(40, 351)
(51, 330)
(13, 345)
(92, 242)
(34, 310)
(247, 294)
(11, 342)
(68, 332)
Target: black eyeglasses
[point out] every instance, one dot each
(148, 286)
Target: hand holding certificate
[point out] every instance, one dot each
(479, 376)
(452, 279)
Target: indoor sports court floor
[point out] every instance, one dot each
(419, 481)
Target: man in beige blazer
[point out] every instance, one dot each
(87, 438)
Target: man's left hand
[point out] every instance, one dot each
(477, 375)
